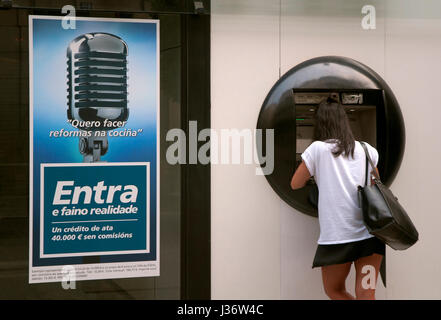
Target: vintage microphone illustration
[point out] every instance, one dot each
(97, 89)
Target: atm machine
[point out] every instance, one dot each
(361, 114)
(289, 108)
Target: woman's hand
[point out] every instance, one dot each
(300, 177)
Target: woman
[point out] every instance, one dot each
(337, 163)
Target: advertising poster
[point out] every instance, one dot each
(94, 148)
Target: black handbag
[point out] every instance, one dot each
(313, 195)
(383, 216)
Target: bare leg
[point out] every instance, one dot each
(366, 269)
(334, 281)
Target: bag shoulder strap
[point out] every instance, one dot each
(368, 158)
(367, 166)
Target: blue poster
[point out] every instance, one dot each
(94, 148)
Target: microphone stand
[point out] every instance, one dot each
(92, 148)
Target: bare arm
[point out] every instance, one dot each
(300, 177)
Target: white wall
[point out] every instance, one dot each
(261, 247)
(413, 69)
(244, 209)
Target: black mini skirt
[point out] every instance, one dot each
(329, 254)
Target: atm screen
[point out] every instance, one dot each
(362, 117)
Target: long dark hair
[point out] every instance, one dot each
(332, 125)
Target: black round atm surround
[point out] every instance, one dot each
(327, 73)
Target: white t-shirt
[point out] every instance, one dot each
(337, 178)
